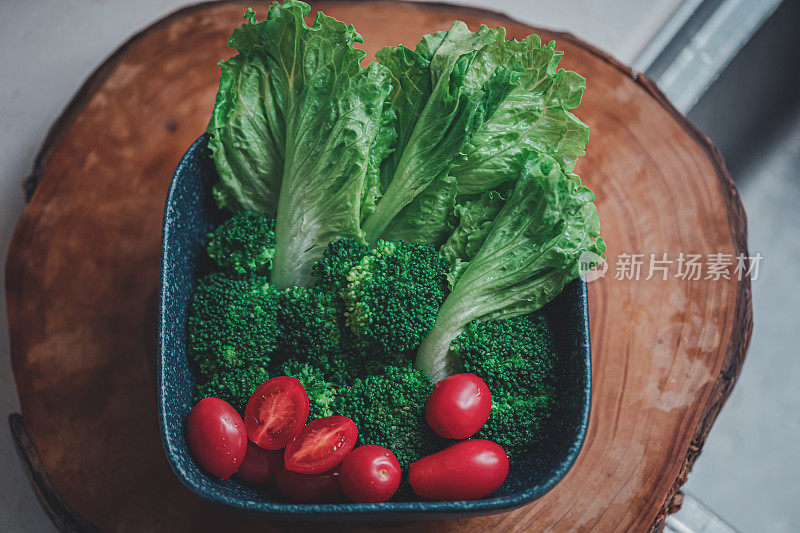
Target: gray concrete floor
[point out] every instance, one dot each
(749, 469)
(750, 466)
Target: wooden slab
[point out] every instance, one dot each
(83, 265)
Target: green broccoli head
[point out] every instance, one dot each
(232, 323)
(514, 356)
(337, 261)
(516, 421)
(392, 296)
(387, 299)
(509, 354)
(244, 244)
(309, 328)
(234, 386)
(321, 392)
(389, 410)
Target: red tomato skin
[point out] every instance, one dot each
(342, 434)
(290, 393)
(370, 474)
(259, 465)
(467, 470)
(305, 488)
(216, 436)
(458, 406)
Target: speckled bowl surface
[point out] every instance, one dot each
(188, 216)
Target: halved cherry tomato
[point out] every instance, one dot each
(468, 470)
(458, 406)
(369, 474)
(216, 436)
(306, 488)
(259, 465)
(276, 412)
(321, 445)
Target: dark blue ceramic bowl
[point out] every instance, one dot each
(189, 214)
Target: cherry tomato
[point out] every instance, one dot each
(259, 465)
(276, 412)
(216, 435)
(321, 445)
(458, 406)
(305, 488)
(369, 474)
(468, 470)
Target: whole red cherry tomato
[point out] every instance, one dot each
(468, 470)
(458, 406)
(306, 488)
(276, 412)
(369, 474)
(259, 465)
(321, 445)
(216, 436)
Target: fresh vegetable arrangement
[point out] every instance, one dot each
(390, 233)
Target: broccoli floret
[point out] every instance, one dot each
(389, 410)
(232, 323)
(516, 421)
(337, 261)
(509, 354)
(309, 328)
(321, 392)
(234, 386)
(245, 243)
(514, 356)
(362, 356)
(392, 297)
(356, 365)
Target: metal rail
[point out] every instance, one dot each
(697, 43)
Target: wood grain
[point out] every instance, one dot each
(82, 275)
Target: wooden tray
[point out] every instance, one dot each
(83, 264)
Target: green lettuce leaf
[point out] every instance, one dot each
(527, 255)
(427, 217)
(490, 99)
(475, 219)
(246, 137)
(533, 117)
(382, 147)
(435, 117)
(299, 130)
(466, 142)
